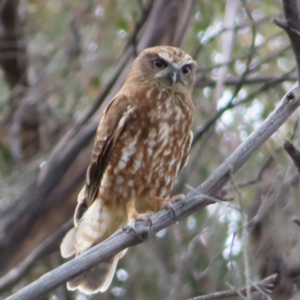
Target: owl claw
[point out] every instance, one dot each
(169, 204)
(178, 199)
(142, 232)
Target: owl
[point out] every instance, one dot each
(142, 142)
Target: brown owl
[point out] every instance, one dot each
(142, 142)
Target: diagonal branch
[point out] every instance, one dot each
(193, 201)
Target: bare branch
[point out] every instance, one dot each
(259, 175)
(296, 220)
(74, 48)
(292, 27)
(145, 11)
(204, 81)
(194, 200)
(266, 285)
(293, 153)
(266, 59)
(235, 28)
(227, 39)
(266, 164)
(210, 122)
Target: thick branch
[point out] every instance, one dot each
(266, 285)
(194, 201)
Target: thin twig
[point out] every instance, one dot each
(204, 81)
(246, 256)
(266, 285)
(235, 28)
(203, 129)
(296, 220)
(259, 175)
(227, 40)
(293, 153)
(266, 164)
(274, 55)
(76, 47)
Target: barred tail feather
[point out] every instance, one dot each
(95, 279)
(110, 275)
(94, 227)
(98, 278)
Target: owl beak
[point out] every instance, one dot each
(173, 77)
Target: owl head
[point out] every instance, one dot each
(164, 65)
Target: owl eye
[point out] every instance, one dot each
(186, 69)
(159, 63)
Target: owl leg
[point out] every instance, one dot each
(133, 216)
(155, 204)
(168, 205)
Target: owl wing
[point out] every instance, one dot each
(186, 150)
(110, 127)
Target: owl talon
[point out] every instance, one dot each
(142, 232)
(126, 228)
(178, 199)
(169, 206)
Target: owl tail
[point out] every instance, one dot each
(80, 239)
(98, 278)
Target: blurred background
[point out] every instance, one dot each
(62, 61)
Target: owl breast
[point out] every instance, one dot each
(148, 155)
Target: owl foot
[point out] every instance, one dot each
(142, 231)
(178, 199)
(169, 204)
